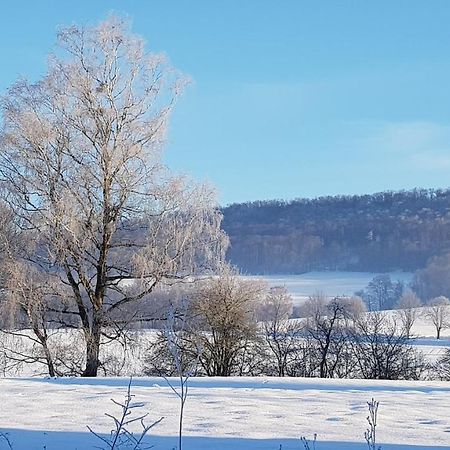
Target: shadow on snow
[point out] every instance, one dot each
(54, 440)
(251, 383)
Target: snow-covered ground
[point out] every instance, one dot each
(331, 284)
(234, 413)
(230, 413)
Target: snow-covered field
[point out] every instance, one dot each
(233, 413)
(331, 284)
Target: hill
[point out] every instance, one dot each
(379, 232)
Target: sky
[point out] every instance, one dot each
(290, 98)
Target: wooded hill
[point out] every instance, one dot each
(379, 232)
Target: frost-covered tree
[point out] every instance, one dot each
(80, 168)
(281, 333)
(439, 314)
(407, 311)
(353, 308)
(442, 366)
(315, 305)
(382, 293)
(223, 321)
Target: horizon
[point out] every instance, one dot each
(294, 199)
(302, 101)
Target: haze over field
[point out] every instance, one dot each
(331, 284)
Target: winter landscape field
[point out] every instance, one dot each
(331, 284)
(224, 413)
(230, 413)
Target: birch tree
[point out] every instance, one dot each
(81, 169)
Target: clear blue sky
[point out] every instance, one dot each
(291, 98)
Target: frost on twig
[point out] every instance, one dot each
(370, 433)
(121, 438)
(183, 369)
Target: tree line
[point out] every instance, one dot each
(233, 326)
(379, 232)
(227, 325)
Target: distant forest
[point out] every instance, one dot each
(379, 232)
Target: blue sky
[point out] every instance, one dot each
(290, 98)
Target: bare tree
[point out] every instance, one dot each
(353, 308)
(280, 332)
(224, 321)
(329, 336)
(434, 279)
(315, 305)
(381, 350)
(442, 366)
(407, 311)
(81, 170)
(382, 293)
(28, 290)
(439, 313)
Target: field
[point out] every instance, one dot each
(332, 284)
(238, 413)
(234, 413)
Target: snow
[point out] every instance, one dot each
(332, 284)
(230, 413)
(236, 413)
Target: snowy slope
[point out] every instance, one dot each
(234, 413)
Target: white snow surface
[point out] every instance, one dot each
(331, 284)
(229, 413)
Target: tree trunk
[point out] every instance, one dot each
(93, 350)
(43, 339)
(50, 365)
(323, 372)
